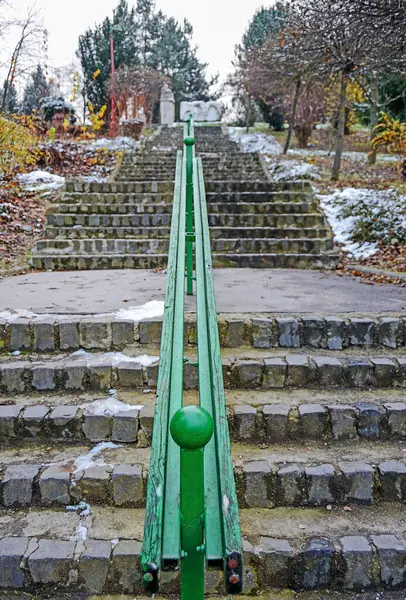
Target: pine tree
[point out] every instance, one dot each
(36, 89)
(12, 99)
(266, 23)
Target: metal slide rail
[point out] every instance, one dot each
(192, 517)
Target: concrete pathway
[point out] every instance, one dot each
(237, 290)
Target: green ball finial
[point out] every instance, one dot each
(189, 141)
(192, 427)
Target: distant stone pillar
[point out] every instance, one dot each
(167, 106)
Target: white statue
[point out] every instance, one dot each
(167, 105)
(201, 111)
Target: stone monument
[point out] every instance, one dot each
(201, 111)
(167, 105)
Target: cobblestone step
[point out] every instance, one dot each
(267, 478)
(105, 371)
(303, 549)
(110, 209)
(72, 332)
(139, 187)
(129, 220)
(85, 262)
(116, 198)
(270, 220)
(276, 261)
(255, 417)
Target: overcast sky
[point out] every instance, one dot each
(218, 25)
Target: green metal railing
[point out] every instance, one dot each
(192, 517)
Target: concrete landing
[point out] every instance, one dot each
(237, 290)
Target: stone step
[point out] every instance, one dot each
(255, 197)
(52, 233)
(223, 208)
(266, 478)
(258, 417)
(129, 220)
(130, 246)
(50, 333)
(138, 187)
(48, 550)
(119, 198)
(64, 262)
(252, 370)
(305, 220)
(257, 186)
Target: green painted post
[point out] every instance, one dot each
(189, 143)
(192, 428)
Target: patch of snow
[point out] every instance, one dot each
(81, 533)
(83, 507)
(116, 357)
(225, 505)
(94, 178)
(108, 406)
(384, 209)
(85, 461)
(41, 180)
(19, 313)
(114, 543)
(115, 144)
(288, 170)
(254, 142)
(352, 156)
(150, 310)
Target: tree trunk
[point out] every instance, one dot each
(340, 128)
(374, 115)
(292, 116)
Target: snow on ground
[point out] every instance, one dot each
(108, 406)
(116, 357)
(115, 144)
(37, 181)
(86, 461)
(254, 142)
(352, 210)
(352, 156)
(150, 310)
(288, 170)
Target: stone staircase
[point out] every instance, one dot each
(317, 416)
(125, 223)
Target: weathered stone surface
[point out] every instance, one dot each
(54, 485)
(357, 555)
(320, 484)
(64, 421)
(275, 420)
(97, 428)
(100, 371)
(298, 370)
(44, 377)
(44, 335)
(235, 333)
(329, 371)
(130, 374)
(384, 371)
(401, 375)
(392, 559)
(262, 333)
(396, 413)
(277, 561)
(75, 372)
(33, 419)
(313, 420)
(389, 331)
(12, 551)
(122, 333)
(245, 422)
(369, 419)
(125, 567)
(248, 373)
(314, 333)
(13, 376)
(275, 370)
(362, 332)
(95, 333)
(69, 338)
(150, 332)
(18, 484)
(20, 335)
(359, 372)
(393, 480)
(8, 418)
(256, 482)
(125, 426)
(357, 482)
(314, 564)
(147, 420)
(95, 484)
(343, 422)
(335, 330)
(128, 486)
(94, 564)
(51, 561)
(152, 375)
(288, 333)
(289, 486)
(190, 376)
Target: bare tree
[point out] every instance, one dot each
(26, 51)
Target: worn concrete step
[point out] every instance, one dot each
(116, 197)
(297, 221)
(49, 550)
(265, 370)
(266, 208)
(260, 418)
(276, 261)
(118, 187)
(85, 262)
(110, 209)
(52, 333)
(269, 196)
(128, 220)
(256, 186)
(35, 475)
